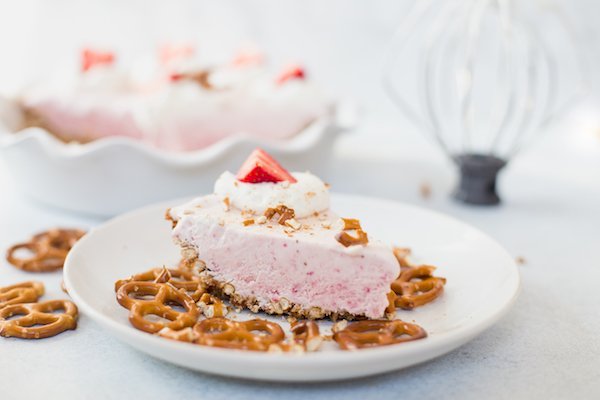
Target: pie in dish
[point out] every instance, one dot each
(176, 103)
(266, 239)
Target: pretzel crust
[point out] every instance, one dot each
(375, 333)
(38, 320)
(49, 250)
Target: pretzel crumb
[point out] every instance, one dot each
(351, 224)
(348, 240)
(248, 222)
(284, 213)
(425, 190)
(339, 326)
(292, 223)
(228, 289)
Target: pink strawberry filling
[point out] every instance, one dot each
(309, 268)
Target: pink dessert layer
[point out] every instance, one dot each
(86, 123)
(308, 267)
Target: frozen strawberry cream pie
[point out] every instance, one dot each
(174, 104)
(267, 240)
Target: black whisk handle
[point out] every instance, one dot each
(478, 174)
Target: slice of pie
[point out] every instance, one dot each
(267, 240)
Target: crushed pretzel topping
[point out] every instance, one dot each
(292, 223)
(261, 220)
(348, 240)
(326, 225)
(282, 211)
(227, 203)
(351, 224)
(248, 222)
(201, 77)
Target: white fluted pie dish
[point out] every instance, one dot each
(115, 174)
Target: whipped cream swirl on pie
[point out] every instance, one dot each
(307, 196)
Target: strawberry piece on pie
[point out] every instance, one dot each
(91, 58)
(261, 167)
(289, 73)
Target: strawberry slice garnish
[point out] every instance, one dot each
(91, 58)
(289, 73)
(176, 76)
(261, 167)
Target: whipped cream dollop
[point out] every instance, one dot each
(306, 196)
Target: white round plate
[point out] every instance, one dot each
(483, 282)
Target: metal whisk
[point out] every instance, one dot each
(482, 77)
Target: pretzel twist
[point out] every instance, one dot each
(24, 292)
(374, 333)
(49, 250)
(417, 286)
(37, 320)
(163, 295)
(180, 279)
(255, 334)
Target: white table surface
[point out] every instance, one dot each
(546, 347)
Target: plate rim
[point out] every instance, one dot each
(448, 341)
